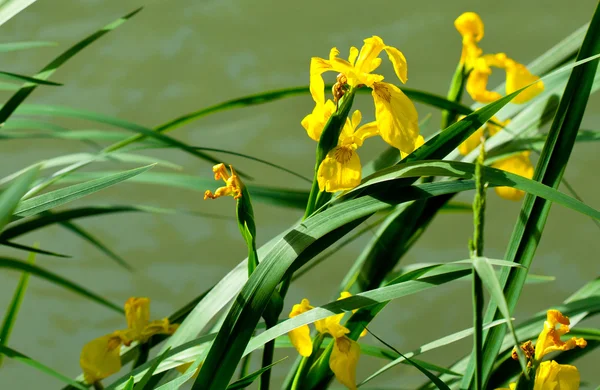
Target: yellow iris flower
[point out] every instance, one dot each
(395, 115)
(470, 27)
(341, 168)
(233, 185)
(101, 357)
(345, 353)
(474, 140)
(549, 374)
(519, 164)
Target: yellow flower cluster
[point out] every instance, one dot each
(101, 357)
(396, 118)
(470, 27)
(346, 352)
(550, 375)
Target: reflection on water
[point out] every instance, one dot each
(172, 60)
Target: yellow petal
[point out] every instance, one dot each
(549, 338)
(477, 83)
(315, 121)
(396, 117)
(367, 130)
(137, 313)
(101, 358)
(300, 338)
(553, 376)
(300, 308)
(518, 164)
(399, 62)
(366, 62)
(518, 76)
(353, 55)
(158, 327)
(317, 85)
(340, 170)
(343, 361)
(470, 24)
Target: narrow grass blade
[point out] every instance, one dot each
(277, 196)
(49, 218)
(21, 266)
(10, 197)
(26, 79)
(148, 375)
(76, 229)
(250, 378)
(437, 381)
(13, 308)
(11, 105)
(13, 46)
(59, 197)
(488, 276)
(129, 384)
(17, 356)
(12, 7)
(431, 346)
(32, 249)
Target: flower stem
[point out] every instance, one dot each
(477, 251)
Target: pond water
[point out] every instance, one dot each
(175, 58)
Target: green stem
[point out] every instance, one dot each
(245, 365)
(454, 94)
(267, 360)
(477, 251)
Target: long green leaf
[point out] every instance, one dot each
(59, 197)
(10, 198)
(11, 105)
(14, 264)
(246, 381)
(148, 375)
(12, 7)
(13, 46)
(15, 305)
(28, 248)
(278, 196)
(26, 79)
(549, 170)
(15, 355)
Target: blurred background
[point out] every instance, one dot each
(175, 58)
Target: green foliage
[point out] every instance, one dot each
(242, 313)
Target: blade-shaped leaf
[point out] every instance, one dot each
(10, 198)
(21, 266)
(59, 197)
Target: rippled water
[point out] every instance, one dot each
(175, 58)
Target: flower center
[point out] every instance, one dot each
(343, 154)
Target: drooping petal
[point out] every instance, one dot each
(367, 130)
(315, 121)
(517, 77)
(553, 376)
(396, 116)
(518, 164)
(470, 24)
(300, 338)
(317, 86)
(477, 83)
(549, 338)
(101, 358)
(158, 327)
(343, 361)
(340, 170)
(137, 313)
(399, 62)
(300, 308)
(368, 53)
